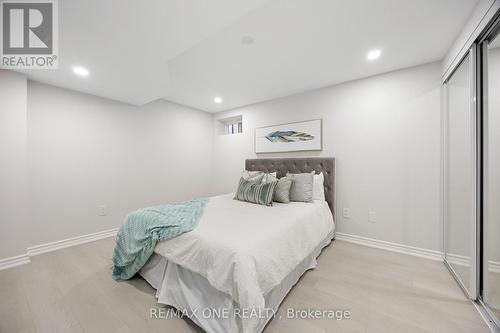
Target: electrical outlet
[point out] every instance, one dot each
(103, 211)
(372, 216)
(346, 213)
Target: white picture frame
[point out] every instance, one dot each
(297, 136)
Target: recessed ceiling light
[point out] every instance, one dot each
(78, 70)
(247, 40)
(373, 54)
(217, 100)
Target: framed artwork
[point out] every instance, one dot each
(299, 136)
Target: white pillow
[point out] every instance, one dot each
(318, 188)
(253, 176)
(256, 176)
(265, 179)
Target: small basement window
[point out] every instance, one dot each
(233, 125)
(233, 128)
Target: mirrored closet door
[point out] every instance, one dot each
(490, 291)
(471, 173)
(460, 174)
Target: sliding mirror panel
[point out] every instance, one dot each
(460, 175)
(491, 188)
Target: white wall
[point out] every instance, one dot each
(12, 163)
(84, 151)
(384, 132)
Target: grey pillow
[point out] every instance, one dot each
(282, 189)
(302, 186)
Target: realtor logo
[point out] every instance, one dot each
(29, 34)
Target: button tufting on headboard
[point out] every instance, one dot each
(296, 165)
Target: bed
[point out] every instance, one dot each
(235, 268)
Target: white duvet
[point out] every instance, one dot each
(246, 249)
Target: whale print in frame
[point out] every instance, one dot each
(299, 136)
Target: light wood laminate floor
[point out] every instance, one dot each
(71, 290)
(492, 298)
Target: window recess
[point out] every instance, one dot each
(232, 125)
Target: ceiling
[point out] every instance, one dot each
(245, 51)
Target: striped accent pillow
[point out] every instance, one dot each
(261, 194)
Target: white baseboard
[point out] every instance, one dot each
(384, 245)
(460, 260)
(53, 246)
(494, 266)
(395, 247)
(14, 261)
(457, 259)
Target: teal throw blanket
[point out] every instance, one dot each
(145, 227)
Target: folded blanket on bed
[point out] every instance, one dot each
(145, 227)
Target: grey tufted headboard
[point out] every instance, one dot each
(298, 165)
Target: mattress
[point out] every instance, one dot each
(240, 255)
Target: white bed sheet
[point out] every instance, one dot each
(244, 249)
(185, 290)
